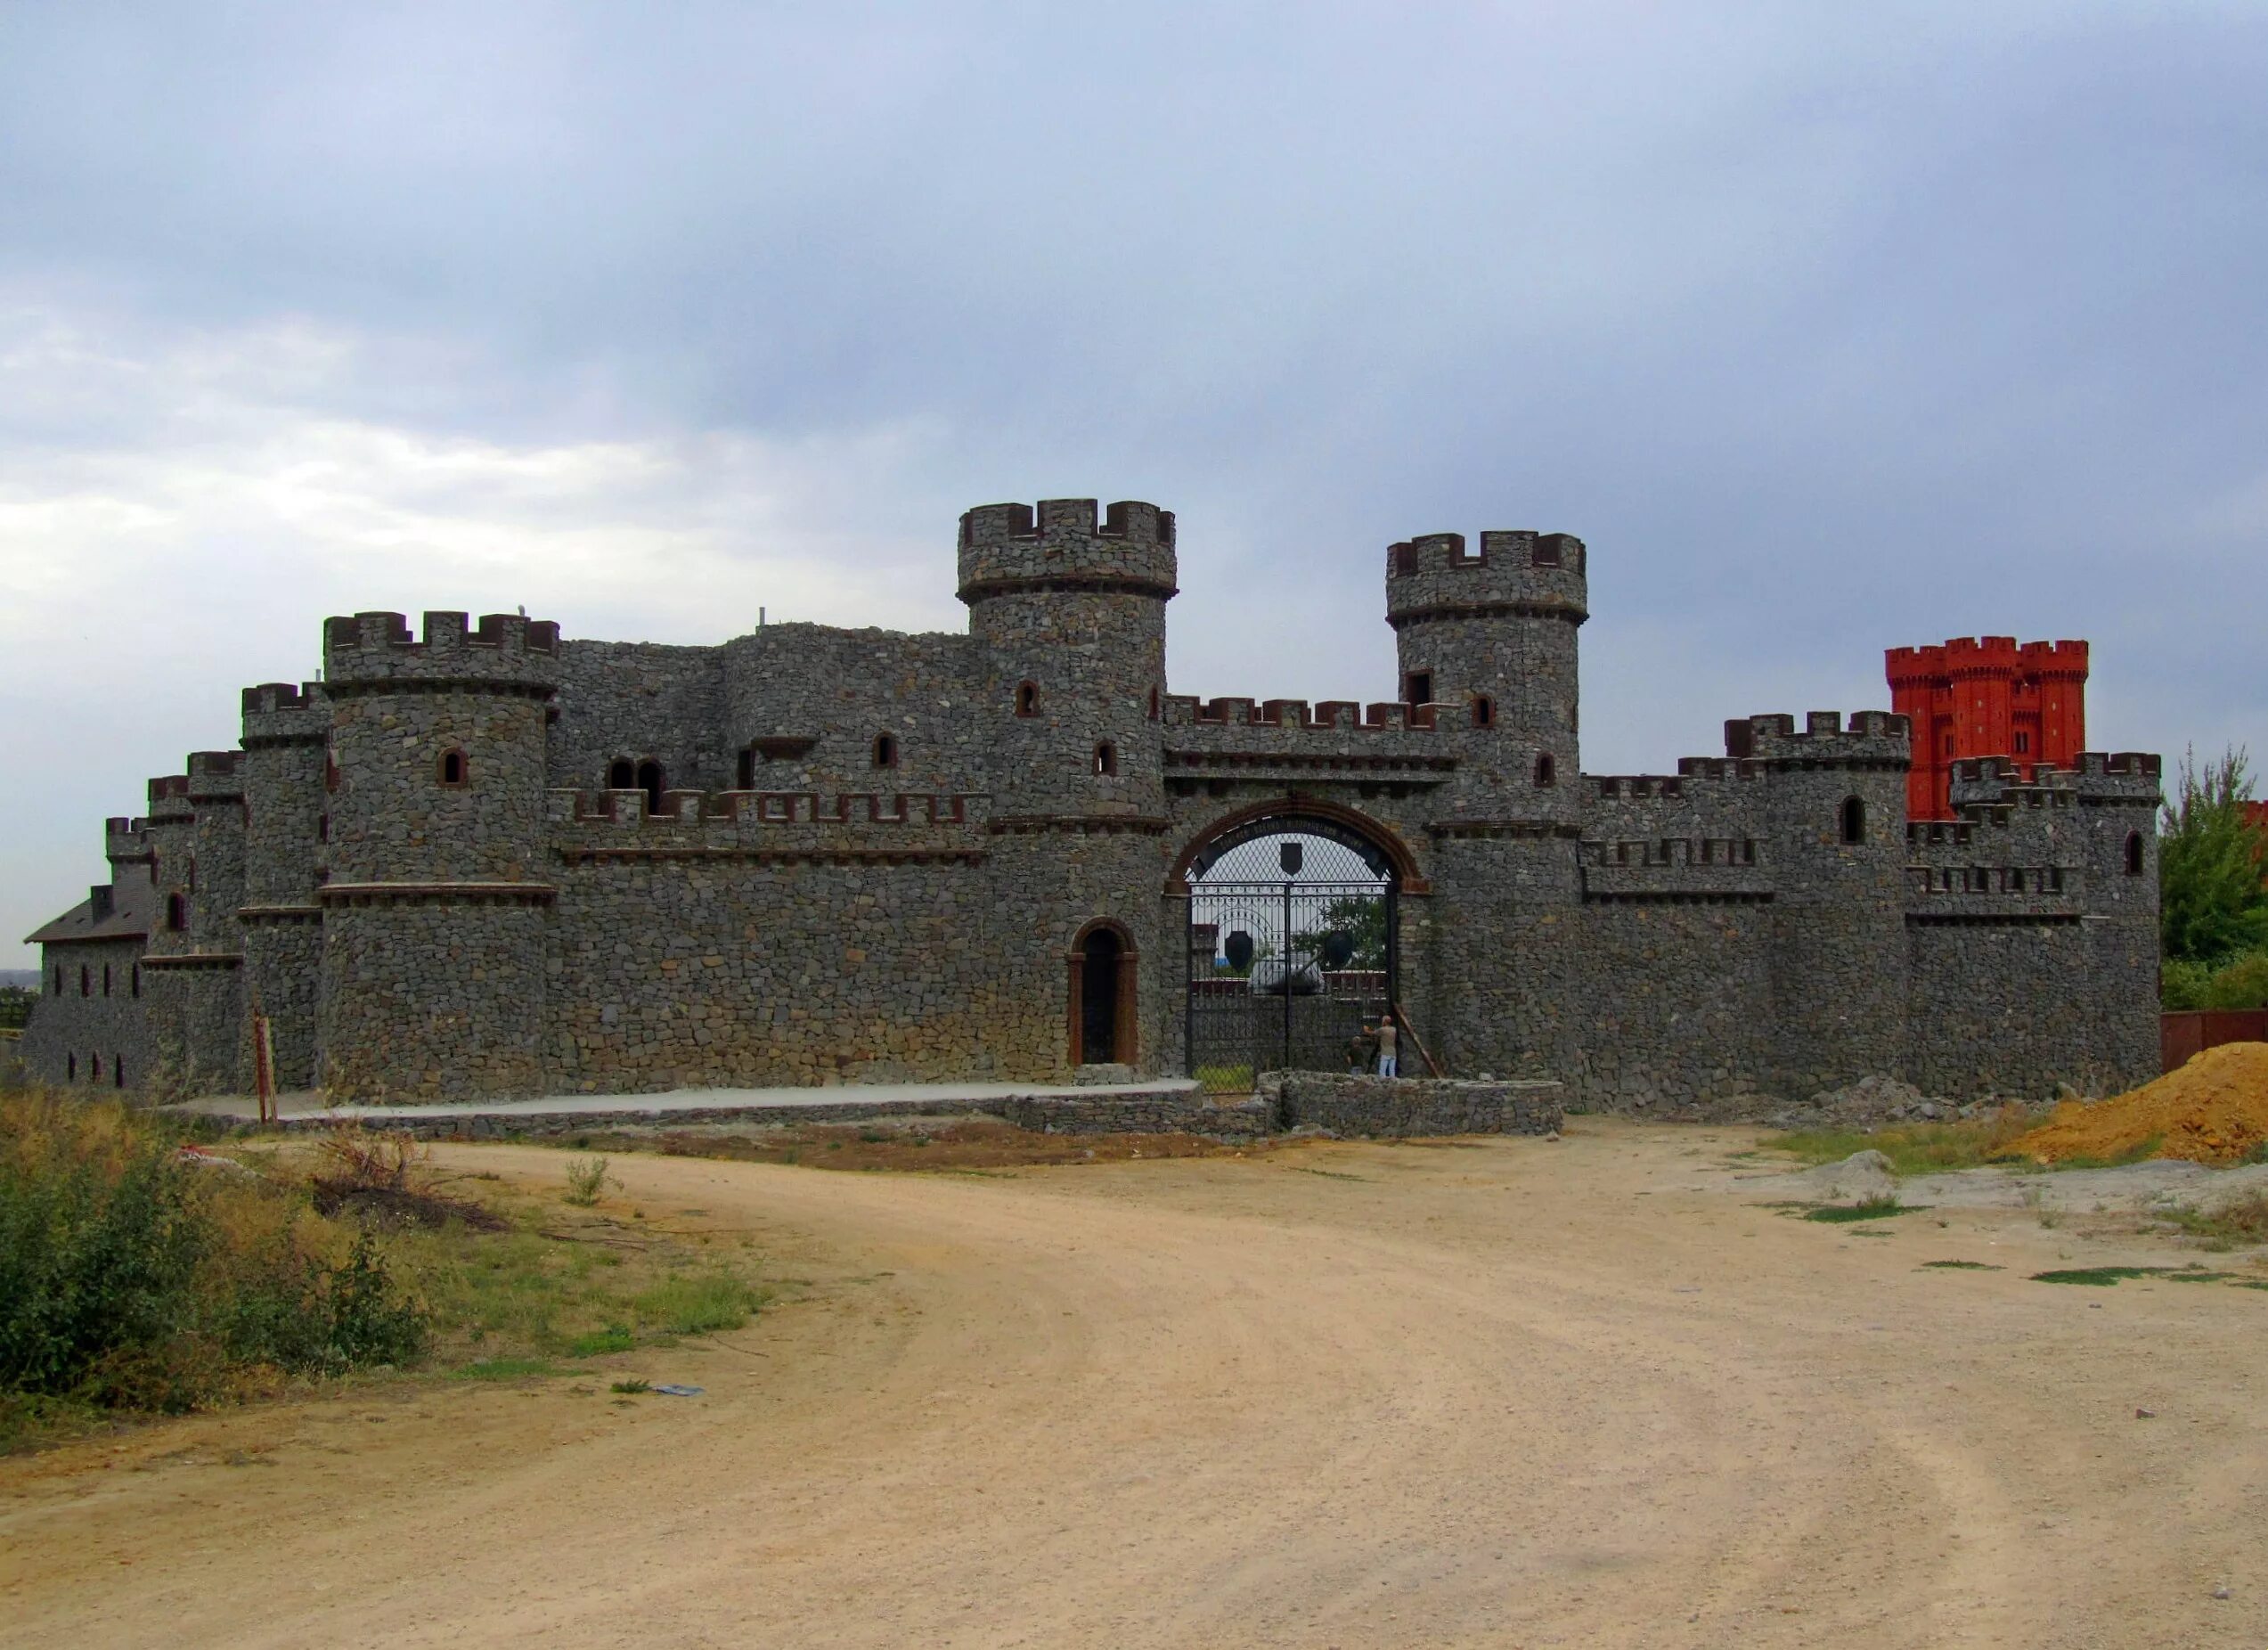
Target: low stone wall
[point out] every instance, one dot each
(1352, 1104)
(1135, 1114)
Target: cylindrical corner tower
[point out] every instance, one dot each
(434, 906)
(1488, 637)
(287, 731)
(192, 971)
(1068, 617)
(1494, 635)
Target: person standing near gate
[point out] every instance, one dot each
(1388, 1065)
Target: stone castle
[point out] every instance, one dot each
(484, 860)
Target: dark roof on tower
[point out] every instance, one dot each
(132, 900)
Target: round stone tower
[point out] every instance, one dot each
(1067, 616)
(191, 971)
(1492, 636)
(287, 734)
(434, 906)
(1487, 638)
(1070, 618)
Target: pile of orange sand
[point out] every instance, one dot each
(2213, 1109)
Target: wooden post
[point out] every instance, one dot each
(264, 1068)
(1416, 1042)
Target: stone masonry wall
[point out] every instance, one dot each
(88, 1026)
(1345, 1104)
(844, 910)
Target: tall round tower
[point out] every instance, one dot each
(192, 969)
(435, 907)
(287, 732)
(1487, 638)
(1067, 616)
(1492, 634)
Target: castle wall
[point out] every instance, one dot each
(1676, 1003)
(840, 689)
(2010, 1006)
(87, 1028)
(639, 701)
(417, 871)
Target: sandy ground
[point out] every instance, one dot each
(1495, 1393)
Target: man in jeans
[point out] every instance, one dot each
(1388, 1065)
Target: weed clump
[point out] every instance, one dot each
(586, 1180)
(1868, 1209)
(1918, 1147)
(136, 1274)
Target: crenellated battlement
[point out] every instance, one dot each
(216, 776)
(2054, 658)
(1694, 773)
(1871, 737)
(126, 840)
(505, 652)
(1512, 573)
(1670, 851)
(276, 712)
(1508, 549)
(1063, 544)
(1383, 716)
(765, 807)
(2123, 776)
(270, 696)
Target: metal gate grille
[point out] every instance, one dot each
(1288, 974)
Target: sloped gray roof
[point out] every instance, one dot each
(133, 899)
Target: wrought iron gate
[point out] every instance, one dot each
(1285, 975)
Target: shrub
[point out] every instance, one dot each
(2239, 982)
(586, 1179)
(135, 1276)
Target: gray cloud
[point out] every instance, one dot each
(1830, 328)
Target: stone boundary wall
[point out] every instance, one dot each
(1393, 1107)
(1141, 1114)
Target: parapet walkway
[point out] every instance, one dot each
(559, 1113)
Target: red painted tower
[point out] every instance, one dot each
(1986, 698)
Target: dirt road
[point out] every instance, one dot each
(1501, 1393)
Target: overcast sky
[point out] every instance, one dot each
(1830, 328)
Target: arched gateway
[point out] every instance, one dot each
(1292, 951)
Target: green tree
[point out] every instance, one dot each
(1362, 917)
(2213, 901)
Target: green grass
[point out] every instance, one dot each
(635, 1385)
(697, 1303)
(614, 1339)
(2240, 1221)
(541, 1292)
(1915, 1147)
(508, 1370)
(1958, 1266)
(2107, 1276)
(1871, 1209)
